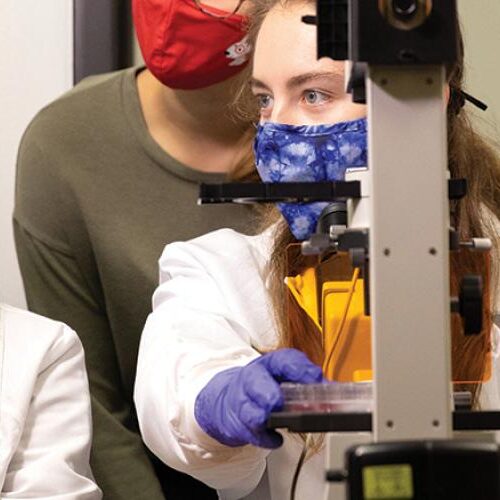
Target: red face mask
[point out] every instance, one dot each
(186, 48)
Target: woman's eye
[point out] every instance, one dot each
(264, 101)
(315, 97)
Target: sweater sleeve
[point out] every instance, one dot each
(55, 288)
(198, 328)
(57, 285)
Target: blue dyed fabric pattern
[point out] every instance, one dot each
(308, 153)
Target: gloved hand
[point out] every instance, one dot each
(234, 406)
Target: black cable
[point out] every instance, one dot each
(300, 463)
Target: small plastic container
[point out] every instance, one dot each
(332, 397)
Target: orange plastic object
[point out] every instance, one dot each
(346, 331)
(330, 293)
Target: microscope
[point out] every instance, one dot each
(411, 436)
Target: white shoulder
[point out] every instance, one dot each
(224, 250)
(224, 241)
(40, 340)
(45, 420)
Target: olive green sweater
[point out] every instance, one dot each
(97, 200)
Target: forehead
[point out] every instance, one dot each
(286, 46)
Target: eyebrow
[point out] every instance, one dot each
(299, 80)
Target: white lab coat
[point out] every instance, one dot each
(212, 312)
(45, 420)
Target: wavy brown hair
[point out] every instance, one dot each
(470, 157)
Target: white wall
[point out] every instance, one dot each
(136, 52)
(481, 22)
(36, 47)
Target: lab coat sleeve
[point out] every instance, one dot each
(197, 329)
(51, 460)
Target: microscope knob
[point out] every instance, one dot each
(358, 257)
(471, 304)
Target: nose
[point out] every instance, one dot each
(282, 113)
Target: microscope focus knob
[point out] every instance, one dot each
(471, 304)
(405, 9)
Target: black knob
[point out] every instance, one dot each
(471, 304)
(404, 9)
(336, 476)
(334, 214)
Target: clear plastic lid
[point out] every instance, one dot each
(345, 397)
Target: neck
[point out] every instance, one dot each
(194, 125)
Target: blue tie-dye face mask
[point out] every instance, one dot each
(308, 153)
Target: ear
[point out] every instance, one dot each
(447, 93)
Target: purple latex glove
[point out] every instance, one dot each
(234, 406)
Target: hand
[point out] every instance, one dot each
(234, 406)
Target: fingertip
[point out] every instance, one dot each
(275, 439)
(306, 374)
(294, 366)
(294, 354)
(313, 374)
(269, 439)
